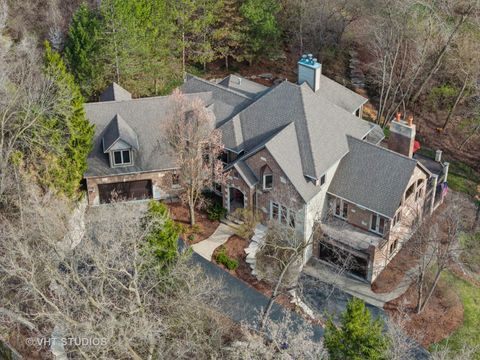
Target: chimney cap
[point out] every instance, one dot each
(398, 116)
(410, 120)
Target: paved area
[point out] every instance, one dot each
(243, 303)
(354, 286)
(205, 248)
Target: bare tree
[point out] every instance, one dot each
(110, 287)
(410, 46)
(438, 247)
(466, 67)
(279, 340)
(190, 132)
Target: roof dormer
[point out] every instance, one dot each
(119, 141)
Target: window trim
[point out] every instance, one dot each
(115, 164)
(265, 182)
(376, 230)
(342, 206)
(284, 215)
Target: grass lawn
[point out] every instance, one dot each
(469, 332)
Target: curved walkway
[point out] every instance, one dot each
(205, 248)
(357, 288)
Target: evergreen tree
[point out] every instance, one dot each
(82, 49)
(228, 34)
(72, 135)
(202, 38)
(263, 35)
(163, 232)
(137, 43)
(358, 337)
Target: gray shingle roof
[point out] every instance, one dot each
(340, 95)
(246, 173)
(116, 130)
(227, 102)
(115, 92)
(320, 126)
(144, 117)
(286, 152)
(244, 86)
(372, 176)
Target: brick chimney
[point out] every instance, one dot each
(309, 71)
(402, 135)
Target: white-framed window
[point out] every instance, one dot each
(341, 208)
(267, 181)
(122, 157)
(377, 224)
(282, 214)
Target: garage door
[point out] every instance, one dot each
(131, 190)
(334, 255)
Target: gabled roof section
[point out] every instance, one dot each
(340, 95)
(244, 86)
(117, 130)
(285, 150)
(320, 126)
(228, 102)
(145, 117)
(373, 177)
(115, 92)
(246, 173)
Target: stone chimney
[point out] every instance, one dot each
(309, 71)
(402, 135)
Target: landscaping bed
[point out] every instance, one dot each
(203, 228)
(235, 249)
(441, 317)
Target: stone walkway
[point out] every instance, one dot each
(353, 286)
(205, 248)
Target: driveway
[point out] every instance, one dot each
(243, 303)
(353, 286)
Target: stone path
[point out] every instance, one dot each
(205, 248)
(355, 287)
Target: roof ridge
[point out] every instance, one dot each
(220, 86)
(142, 98)
(383, 148)
(309, 140)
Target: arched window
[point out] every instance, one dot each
(267, 178)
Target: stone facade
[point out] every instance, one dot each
(162, 187)
(411, 210)
(282, 191)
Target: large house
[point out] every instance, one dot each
(295, 153)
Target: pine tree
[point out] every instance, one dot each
(358, 337)
(82, 50)
(263, 35)
(228, 34)
(72, 135)
(137, 45)
(163, 232)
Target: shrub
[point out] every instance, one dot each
(163, 232)
(216, 212)
(224, 259)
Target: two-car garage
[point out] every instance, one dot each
(121, 191)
